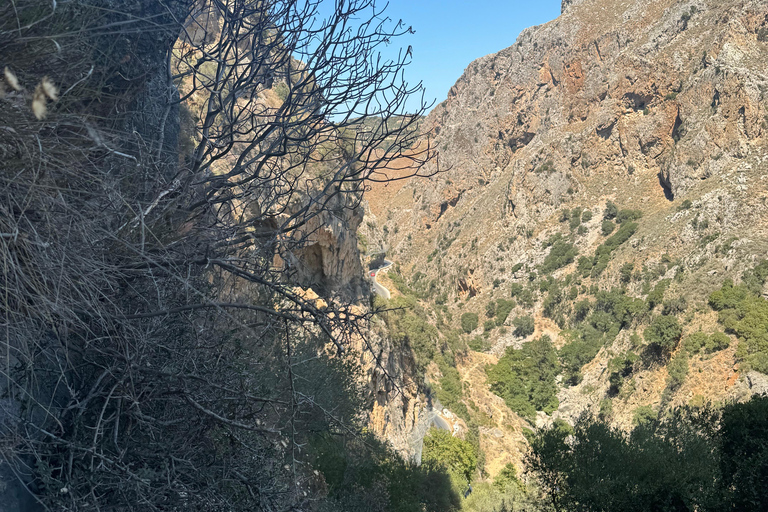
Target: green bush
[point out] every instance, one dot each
(575, 221)
(584, 267)
(408, 325)
(582, 347)
(693, 459)
(643, 414)
(490, 309)
(603, 253)
(586, 216)
(656, 296)
(611, 211)
(524, 326)
(442, 449)
(489, 325)
(581, 309)
(755, 279)
(450, 391)
(607, 227)
(469, 322)
(718, 341)
(677, 370)
(625, 273)
(628, 216)
(694, 342)
(606, 408)
(507, 477)
(515, 289)
(525, 378)
(745, 314)
(561, 254)
(526, 298)
(620, 368)
(503, 309)
(624, 233)
(664, 332)
(674, 306)
(623, 309)
(478, 344)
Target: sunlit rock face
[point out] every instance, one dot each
(656, 106)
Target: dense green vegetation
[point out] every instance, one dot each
(357, 470)
(599, 262)
(693, 459)
(524, 326)
(525, 378)
(503, 309)
(469, 322)
(408, 325)
(743, 312)
(611, 211)
(455, 455)
(561, 254)
(596, 324)
(664, 332)
(677, 370)
(621, 367)
(628, 216)
(697, 341)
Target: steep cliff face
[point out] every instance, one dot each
(673, 90)
(660, 107)
(329, 262)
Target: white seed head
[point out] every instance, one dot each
(50, 90)
(11, 79)
(38, 107)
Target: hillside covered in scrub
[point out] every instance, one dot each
(595, 244)
(236, 274)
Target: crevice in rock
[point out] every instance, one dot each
(666, 186)
(605, 132)
(677, 128)
(636, 101)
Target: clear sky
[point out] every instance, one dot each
(451, 33)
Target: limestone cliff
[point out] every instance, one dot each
(660, 107)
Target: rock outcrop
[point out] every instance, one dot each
(660, 107)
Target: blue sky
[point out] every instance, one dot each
(450, 34)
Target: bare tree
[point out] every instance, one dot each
(157, 354)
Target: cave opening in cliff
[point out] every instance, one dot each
(666, 187)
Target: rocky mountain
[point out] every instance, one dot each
(617, 154)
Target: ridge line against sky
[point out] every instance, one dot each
(450, 34)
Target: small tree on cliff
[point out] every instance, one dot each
(469, 322)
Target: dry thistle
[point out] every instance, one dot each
(11, 79)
